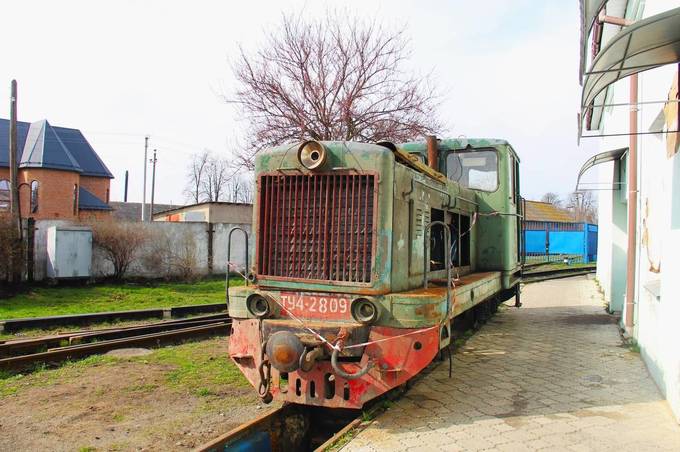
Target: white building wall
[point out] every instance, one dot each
(604, 230)
(657, 278)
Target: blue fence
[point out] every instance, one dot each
(552, 241)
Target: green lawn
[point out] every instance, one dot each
(51, 301)
(202, 368)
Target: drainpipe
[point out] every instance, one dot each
(432, 152)
(632, 205)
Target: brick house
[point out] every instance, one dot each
(60, 175)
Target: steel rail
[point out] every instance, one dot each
(78, 351)
(261, 423)
(34, 345)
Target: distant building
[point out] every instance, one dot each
(132, 211)
(551, 233)
(545, 211)
(60, 174)
(209, 212)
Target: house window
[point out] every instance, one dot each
(107, 196)
(34, 196)
(4, 194)
(75, 199)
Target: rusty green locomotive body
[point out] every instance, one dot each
(364, 255)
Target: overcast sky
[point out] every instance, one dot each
(120, 70)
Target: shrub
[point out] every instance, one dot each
(172, 256)
(120, 243)
(11, 256)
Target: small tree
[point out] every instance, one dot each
(583, 206)
(215, 179)
(335, 78)
(196, 175)
(120, 243)
(552, 198)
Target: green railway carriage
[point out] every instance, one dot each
(364, 256)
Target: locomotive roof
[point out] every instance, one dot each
(457, 143)
(410, 147)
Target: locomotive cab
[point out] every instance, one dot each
(364, 256)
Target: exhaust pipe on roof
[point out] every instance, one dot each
(432, 152)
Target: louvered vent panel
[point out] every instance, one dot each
(316, 226)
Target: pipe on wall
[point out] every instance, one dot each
(632, 206)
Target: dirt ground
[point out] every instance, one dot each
(175, 398)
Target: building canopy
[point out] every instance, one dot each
(646, 44)
(602, 157)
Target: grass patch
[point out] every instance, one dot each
(49, 301)
(557, 266)
(196, 369)
(199, 368)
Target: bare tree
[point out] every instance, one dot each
(335, 78)
(196, 175)
(552, 198)
(238, 190)
(215, 179)
(583, 206)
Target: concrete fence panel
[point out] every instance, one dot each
(190, 242)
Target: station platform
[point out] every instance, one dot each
(552, 375)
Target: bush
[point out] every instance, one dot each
(172, 257)
(11, 256)
(120, 243)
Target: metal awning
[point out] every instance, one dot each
(648, 43)
(596, 159)
(590, 9)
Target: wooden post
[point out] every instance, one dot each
(15, 207)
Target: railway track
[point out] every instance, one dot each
(25, 353)
(298, 427)
(544, 275)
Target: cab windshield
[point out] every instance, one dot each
(475, 169)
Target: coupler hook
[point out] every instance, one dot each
(265, 370)
(342, 373)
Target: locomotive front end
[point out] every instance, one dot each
(318, 325)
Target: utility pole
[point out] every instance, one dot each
(13, 167)
(153, 183)
(126, 186)
(146, 147)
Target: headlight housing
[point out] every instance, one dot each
(312, 154)
(258, 305)
(365, 311)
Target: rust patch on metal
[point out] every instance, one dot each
(429, 311)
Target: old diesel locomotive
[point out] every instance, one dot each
(364, 255)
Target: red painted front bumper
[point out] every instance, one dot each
(394, 362)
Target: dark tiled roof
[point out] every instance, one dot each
(43, 146)
(44, 149)
(132, 211)
(81, 150)
(88, 201)
(22, 131)
(544, 211)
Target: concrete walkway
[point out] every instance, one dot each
(549, 376)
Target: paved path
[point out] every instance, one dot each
(552, 375)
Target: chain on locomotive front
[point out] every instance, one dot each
(363, 257)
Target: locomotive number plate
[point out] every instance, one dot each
(317, 306)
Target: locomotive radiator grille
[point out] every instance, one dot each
(316, 226)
